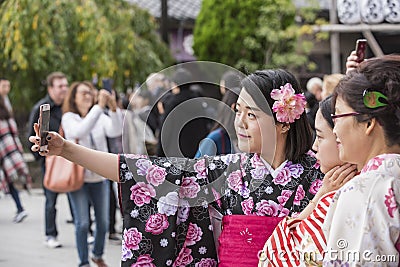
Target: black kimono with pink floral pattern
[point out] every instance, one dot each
(165, 202)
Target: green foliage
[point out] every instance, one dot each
(252, 34)
(221, 27)
(80, 38)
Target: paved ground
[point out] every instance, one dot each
(22, 244)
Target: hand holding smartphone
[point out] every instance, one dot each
(361, 46)
(44, 121)
(107, 84)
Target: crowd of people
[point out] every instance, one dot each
(282, 178)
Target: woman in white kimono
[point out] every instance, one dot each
(362, 226)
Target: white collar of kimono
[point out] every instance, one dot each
(271, 170)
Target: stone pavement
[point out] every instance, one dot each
(23, 244)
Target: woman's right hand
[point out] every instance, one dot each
(337, 177)
(103, 98)
(55, 142)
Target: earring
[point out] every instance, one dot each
(285, 127)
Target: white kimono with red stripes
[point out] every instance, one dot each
(296, 242)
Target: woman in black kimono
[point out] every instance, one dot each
(165, 200)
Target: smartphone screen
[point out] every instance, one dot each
(44, 121)
(107, 84)
(361, 46)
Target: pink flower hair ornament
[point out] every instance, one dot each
(288, 105)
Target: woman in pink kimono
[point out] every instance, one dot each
(166, 200)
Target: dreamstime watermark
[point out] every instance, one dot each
(344, 254)
(341, 254)
(202, 73)
(292, 256)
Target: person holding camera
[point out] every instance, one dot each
(86, 123)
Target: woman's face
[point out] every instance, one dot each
(84, 97)
(325, 144)
(350, 135)
(255, 130)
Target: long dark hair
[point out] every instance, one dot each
(5, 114)
(259, 85)
(381, 74)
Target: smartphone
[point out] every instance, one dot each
(361, 46)
(44, 121)
(107, 84)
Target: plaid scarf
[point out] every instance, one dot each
(13, 166)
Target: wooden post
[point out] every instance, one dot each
(376, 49)
(334, 40)
(164, 21)
(342, 28)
